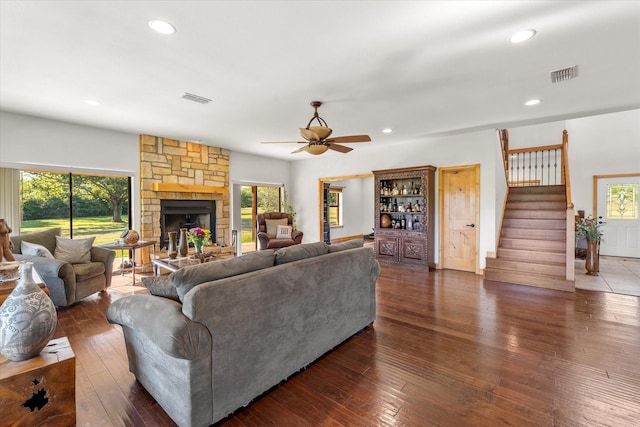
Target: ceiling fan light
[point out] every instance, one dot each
(317, 149)
(322, 131)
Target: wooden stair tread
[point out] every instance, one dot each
(538, 280)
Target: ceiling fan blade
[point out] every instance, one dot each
(340, 148)
(284, 142)
(299, 150)
(351, 138)
(309, 135)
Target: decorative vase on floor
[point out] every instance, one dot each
(592, 264)
(27, 319)
(172, 247)
(183, 245)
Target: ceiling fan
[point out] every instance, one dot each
(317, 137)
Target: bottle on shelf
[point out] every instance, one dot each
(395, 205)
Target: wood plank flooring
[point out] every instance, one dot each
(447, 349)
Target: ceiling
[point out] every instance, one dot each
(422, 68)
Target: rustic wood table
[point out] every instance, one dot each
(40, 390)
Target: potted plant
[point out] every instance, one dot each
(589, 228)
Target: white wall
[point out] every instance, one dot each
(31, 142)
(601, 145)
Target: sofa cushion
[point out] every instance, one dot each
(88, 270)
(46, 238)
(74, 251)
(34, 249)
(272, 226)
(343, 246)
(298, 252)
(186, 278)
(161, 286)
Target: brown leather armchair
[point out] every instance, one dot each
(267, 231)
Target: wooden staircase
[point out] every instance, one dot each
(536, 243)
(532, 244)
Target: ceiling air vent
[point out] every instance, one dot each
(196, 98)
(564, 74)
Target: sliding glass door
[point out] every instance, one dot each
(81, 205)
(254, 200)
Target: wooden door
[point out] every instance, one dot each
(459, 213)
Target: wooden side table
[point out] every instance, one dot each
(40, 390)
(132, 248)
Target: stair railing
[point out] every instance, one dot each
(543, 165)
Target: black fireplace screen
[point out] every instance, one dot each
(177, 214)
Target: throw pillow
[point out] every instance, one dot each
(187, 278)
(34, 249)
(349, 244)
(272, 226)
(284, 232)
(74, 251)
(297, 252)
(161, 286)
(46, 238)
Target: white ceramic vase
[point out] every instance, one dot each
(27, 319)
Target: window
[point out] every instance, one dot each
(622, 201)
(81, 205)
(335, 207)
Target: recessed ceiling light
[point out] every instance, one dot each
(387, 130)
(92, 102)
(532, 102)
(162, 27)
(521, 36)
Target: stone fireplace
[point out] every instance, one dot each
(172, 170)
(177, 214)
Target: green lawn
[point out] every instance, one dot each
(102, 227)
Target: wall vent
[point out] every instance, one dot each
(196, 98)
(563, 74)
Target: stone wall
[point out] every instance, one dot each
(196, 166)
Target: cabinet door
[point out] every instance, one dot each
(413, 250)
(387, 248)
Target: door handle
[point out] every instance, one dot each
(471, 225)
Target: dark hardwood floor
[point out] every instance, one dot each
(447, 348)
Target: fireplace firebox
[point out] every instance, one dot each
(177, 214)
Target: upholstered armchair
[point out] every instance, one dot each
(67, 281)
(275, 230)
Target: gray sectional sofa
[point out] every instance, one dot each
(217, 335)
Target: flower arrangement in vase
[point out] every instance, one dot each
(589, 228)
(199, 237)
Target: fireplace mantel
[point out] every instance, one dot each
(189, 188)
